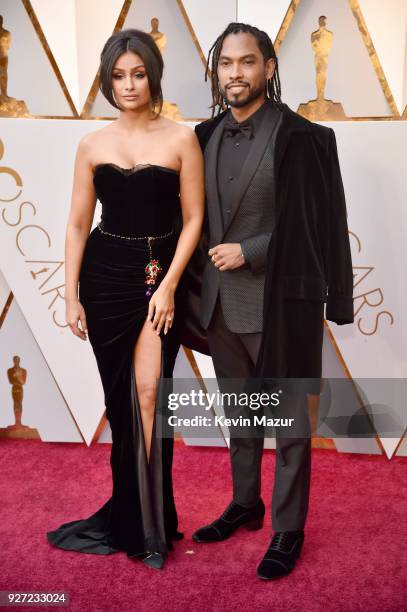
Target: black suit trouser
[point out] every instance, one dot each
(234, 356)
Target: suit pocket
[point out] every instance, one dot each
(303, 288)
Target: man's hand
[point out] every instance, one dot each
(227, 256)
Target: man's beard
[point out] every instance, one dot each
(253, 94)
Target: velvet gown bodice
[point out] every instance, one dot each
(138, 201)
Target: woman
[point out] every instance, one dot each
(146, 170)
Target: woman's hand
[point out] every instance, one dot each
(161, 305)
(75, 313)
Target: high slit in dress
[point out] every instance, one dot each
(140, 516)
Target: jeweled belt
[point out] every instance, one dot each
(153, 268)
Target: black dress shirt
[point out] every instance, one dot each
(233, 151)
(234, 148)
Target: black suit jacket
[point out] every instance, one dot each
(308, 261)
(249, 223)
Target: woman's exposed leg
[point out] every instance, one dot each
(147, 369)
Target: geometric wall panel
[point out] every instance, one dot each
(372, 158)
(334, 367)
(402, 450)
(386, 23)
(31, 77)
(36, 192)
(4, 294)
(76, 31)
(43, 406)
(351, 78)
(265, 15)
(183, 82)
(58, 24)
(208, 30)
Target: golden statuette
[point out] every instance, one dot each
(9, 107)
(17, 377)
(321, 108)
(169, 109)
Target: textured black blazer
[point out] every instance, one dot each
(249, 223)
(309, 260)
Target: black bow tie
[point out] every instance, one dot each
(233, 128)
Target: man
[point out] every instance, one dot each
(277, 249)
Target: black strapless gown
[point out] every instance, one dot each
(140, 516)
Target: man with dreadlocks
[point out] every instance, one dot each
(276, 247)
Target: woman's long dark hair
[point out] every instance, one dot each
(142, 44)
(273, 85)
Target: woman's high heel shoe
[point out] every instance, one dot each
(154, 560)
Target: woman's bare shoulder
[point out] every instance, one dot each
(176, 129)
(92, 142)
(183, 135)
(96, 136)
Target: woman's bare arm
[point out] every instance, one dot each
(192, 206)
(77, 231)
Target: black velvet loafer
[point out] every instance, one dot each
(234, 516)
(284, 550)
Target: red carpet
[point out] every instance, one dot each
(354, 556)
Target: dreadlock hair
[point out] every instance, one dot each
(273, 85)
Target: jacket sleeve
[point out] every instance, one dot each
(339, 307)
(254, 250)
(191, 333)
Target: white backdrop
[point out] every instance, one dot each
(37, 166)
(372, 159)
